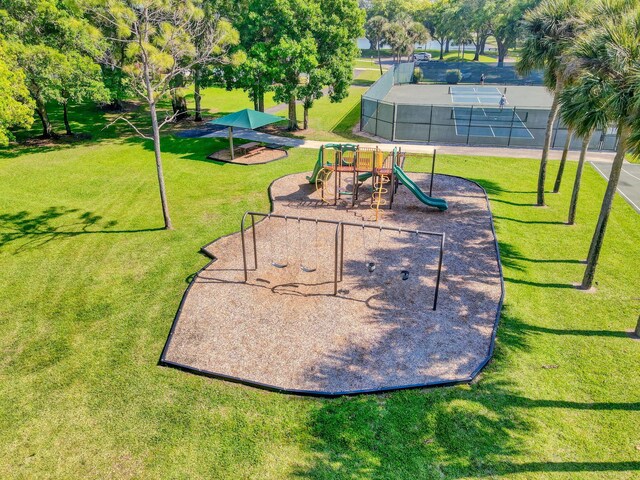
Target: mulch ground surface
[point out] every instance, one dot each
(285, 329)
(264, 156)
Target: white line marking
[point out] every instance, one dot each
(630, 174)
(622, 194)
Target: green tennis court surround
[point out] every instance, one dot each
(470, 114)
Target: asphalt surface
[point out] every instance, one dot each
(629, 184)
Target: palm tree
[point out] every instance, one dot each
(396, 36)
(582, 109)
(563, 161)
(610, 50)
(550, 30)
(374, 29)
(417, 33)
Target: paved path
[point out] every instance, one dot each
(413, 147)
(629, 183)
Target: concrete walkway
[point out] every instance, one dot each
(256, 136)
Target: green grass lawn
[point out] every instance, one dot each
(90, 285)
(220, 100)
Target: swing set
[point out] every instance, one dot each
(342, 230)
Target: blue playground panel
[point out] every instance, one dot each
(489, 122)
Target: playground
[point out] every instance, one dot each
(356, 281)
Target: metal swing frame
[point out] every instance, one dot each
(339, 236)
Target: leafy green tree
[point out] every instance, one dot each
(159, 37)
(610, 51)
(80, 80)
(438, 19)
(295, 58)
(337, 48)
(311, 90)
(374, 31)
(391, 9)
(41, 66)
(207, 74)
(288, 42)
(16, 105)
(505, 24)
(478, 13)
(49, 31)
(550, 30)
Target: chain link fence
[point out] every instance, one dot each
(463, 125)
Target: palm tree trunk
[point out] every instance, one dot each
(442, 49)
(576, 183)
(379, 60)
(563, 161)
(605, 210)
(542, 175)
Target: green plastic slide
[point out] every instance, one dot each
(316, 169)
(363, 177)
(439, 203)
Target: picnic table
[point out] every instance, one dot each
(254, 147)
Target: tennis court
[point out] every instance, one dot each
(489, 122)
(396, 109)
(480, 95)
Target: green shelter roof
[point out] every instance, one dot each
(246, 118)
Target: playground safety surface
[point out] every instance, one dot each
(285, 330)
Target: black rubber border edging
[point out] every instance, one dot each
(318, 393)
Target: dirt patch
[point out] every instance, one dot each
(284, 328)
(263, 156)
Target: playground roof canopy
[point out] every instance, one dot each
(246, 118)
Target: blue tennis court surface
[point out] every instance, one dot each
(471, 94)
(489, 122)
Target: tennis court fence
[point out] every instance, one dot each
(470, 125)
(463, 124)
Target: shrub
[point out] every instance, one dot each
(417, 75)
(453, 76)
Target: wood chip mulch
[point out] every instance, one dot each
(285, 329)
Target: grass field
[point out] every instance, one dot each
(90, 284)
(452, 56)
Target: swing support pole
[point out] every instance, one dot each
(338, 252)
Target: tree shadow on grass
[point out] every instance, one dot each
(197, 148)
(512, 258)
(494, 188)
(436, 433)
(29, 231)
(455, 432)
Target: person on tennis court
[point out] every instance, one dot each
(502, 102)
(482, 79)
